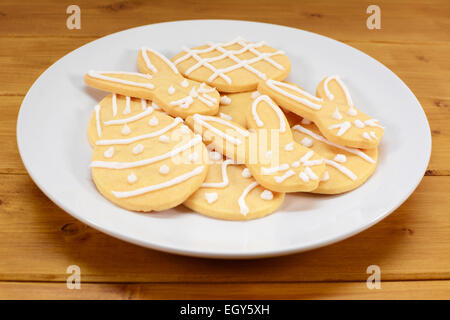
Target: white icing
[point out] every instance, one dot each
(224, 182)
(340, 158)
(308, 155)
(153, 121)
(100, 75)
(318, 137)
(274, 107)
(303, 176)
(163, 138)
(367, 136)
(280, 179)
(275, 85)
(255, 94)
(268, 154)
(144, 104)
(225, 116)
(326, 176)
(359, 124)
(211, 197)
(127, 109)
(131, 178)
(241, 201)
(147, 60)
(157, 133)
(125, 130)
(201, 119)
(171, 90)
(342, 85)
(266, 195)
(373, 135)
(289, 146)
(343, 127)
(352, 112)
(307, 142)
(193, 156)
(246, 173)
(114, 104)
(109, 153)
(230, 54)
(97, 120)
(272, 170)
(342, 169)
(139, 148)
(155, 106)
(215, 156)
(184, 83)
(167, 61)
(124, 165)
(372, 123)
(166, 184)
(138, 116)
(183, 103)
(336, 115)
(164, 169)
(225, 100)
(311, 174)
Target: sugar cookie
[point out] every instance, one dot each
(235, 66)
(162, 83)
(137, 171)
(333, 111)
(229, 194)
(234, 110)
(270, 152)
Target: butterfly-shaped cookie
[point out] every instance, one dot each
(160, 82)
(333, 111)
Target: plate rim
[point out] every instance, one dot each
(254, 254)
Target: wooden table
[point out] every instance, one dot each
(38, 241)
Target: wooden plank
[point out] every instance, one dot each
(346, 20)
(438, 112)
(39, 241)
(334, 290)
(426, 71)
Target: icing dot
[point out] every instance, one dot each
(336, 115)
(164, 138)
(225, 116)
(211, 197)
(193, 93)
(225, 100)
(358, 123)
(326, 176)
(153, 121)
(289, 146)
(373, 135)
(366, 136)
(193, 156)
(215, 156)
(184, 83)
(303, 176)
(109, 153)
(246, 173)
(266, 195)
(305, 121)
(132, 178)
(138, 149)
(307, 142)
(171, 90)
(126, 130)
(164, 169)
(352, 111)
(340, 158)
(255, 95)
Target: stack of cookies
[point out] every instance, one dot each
(219, 130)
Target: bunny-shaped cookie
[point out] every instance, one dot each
(230, 192)
(143, 159)
(275, 160)
(160, 82)
(333, 111)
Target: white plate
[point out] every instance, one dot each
(52, 139)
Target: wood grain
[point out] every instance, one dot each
(39, 241)
(226, 291)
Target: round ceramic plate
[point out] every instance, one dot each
(52, 139)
